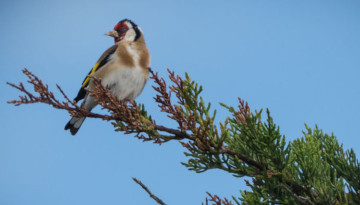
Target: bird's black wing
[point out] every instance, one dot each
(105, 57)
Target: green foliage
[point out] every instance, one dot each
(314, 169)
(311, 170)
(260, 141)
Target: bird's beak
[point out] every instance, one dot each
(112, 33)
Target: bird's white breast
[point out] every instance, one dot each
(125, 82)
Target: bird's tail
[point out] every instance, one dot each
(74, 124)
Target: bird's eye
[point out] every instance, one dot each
(122, 30)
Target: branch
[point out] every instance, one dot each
(226, 150)
(195, 125)
(159, 201)
(47, 97)
(301, 199)
(218, 201)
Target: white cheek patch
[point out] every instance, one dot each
(130, 35)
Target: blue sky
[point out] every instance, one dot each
(300, 59)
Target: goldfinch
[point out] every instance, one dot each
(123, 68)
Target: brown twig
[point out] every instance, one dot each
(243, 112)
(218, 201)
(159, 201)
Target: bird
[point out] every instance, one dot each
(123, 68)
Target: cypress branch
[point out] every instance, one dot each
(314, 169)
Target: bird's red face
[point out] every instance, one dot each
(119, 31)
(125, 30)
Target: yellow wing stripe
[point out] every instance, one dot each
(92, 72)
